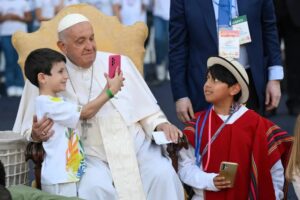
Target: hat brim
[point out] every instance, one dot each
(237, 71)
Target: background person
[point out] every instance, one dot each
(44, 11)
(105, 6)
(130, 11)
(161, 16)
(288, 18)
(14, 15)
(193, 36)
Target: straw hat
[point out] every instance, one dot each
(237, 70)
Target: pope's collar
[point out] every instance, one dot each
(71, 65)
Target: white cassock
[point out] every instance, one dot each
(122, 161)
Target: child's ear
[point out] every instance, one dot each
(235, 89)
(41, 78)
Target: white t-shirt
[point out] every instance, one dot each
(31, 4)
(162, 9)
(18, 7)
(131, 11)
(104, 6)
(70, 2)
(47, 7)
(64, 159)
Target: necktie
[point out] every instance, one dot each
(224, 13)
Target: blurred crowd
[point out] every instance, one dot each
(26, 16)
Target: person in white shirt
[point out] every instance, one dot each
(161, 16)
(45, 10)
(104, 6)
(45, 68)
(122, 161)
(30, 25)
(14, 14)
(130, 11)
(65, 3)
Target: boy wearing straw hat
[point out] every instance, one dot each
(229, 132)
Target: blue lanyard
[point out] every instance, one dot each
(198, 141)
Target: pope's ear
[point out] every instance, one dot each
(61, 46)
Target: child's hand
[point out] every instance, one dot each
(115, 83)
(220, 182)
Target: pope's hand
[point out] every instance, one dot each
(172, 132)
(115, 83)
(41, 130)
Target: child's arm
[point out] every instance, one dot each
(191, 174)
(114, 85)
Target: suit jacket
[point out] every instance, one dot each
(193, 39)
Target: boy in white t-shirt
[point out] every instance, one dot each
(64, 162)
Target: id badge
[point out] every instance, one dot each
(229, 43)
(240, 23)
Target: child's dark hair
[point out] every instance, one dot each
(224, 75)
(41, 61)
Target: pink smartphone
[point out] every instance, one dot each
(114, 61)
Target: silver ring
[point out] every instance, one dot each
(44, 133)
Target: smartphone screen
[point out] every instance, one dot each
(228, 170)
(114, 61)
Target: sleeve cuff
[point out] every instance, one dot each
(212, 186)
(150, 123)
(275, 73)
(181, 99)
(28, 137)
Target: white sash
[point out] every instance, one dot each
(121, 157)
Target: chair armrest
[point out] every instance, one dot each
(35, 152)
(173, 150)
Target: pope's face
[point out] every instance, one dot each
(79, 44)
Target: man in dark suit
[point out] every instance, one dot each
(288, 16)
(194, 38)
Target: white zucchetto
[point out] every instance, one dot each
(70, 20)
